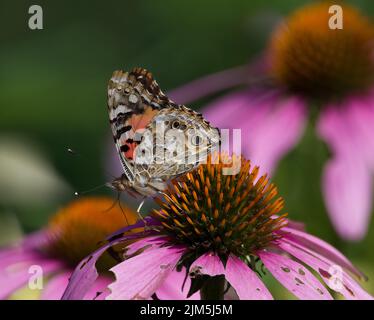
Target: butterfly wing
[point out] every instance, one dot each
(178, 140)
(134, 98)
(156, 139)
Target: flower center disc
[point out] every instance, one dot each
(309, 57)
(213, 209)
(77, 230)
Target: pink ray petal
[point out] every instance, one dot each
(139, 277)
(99, 288)
(103, 295)
(318, 246)
(359, 114)
(55, 287)
(297, 225)
(347, 190)
(270, 124)
(335, 130)
(236, 109)
(347, 178)
(209, 264)
(171, 289)
(294, 276)
(146, 243)
(16, 255)
(35, 240)
(278, 132)
(326, 268)
(212, 83)
(246, 283)
(27, 248)
(85, 274)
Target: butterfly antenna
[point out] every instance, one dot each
(79, 193)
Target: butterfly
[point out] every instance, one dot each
(157, 140)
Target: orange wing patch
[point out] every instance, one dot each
(138, 122)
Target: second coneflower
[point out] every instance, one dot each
(216, 231)
(306, 59)
(51, 253)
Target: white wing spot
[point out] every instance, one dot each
(133, 98)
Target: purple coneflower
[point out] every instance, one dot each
(72, 234)
(218, 231)
(308, 64)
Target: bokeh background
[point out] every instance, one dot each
(53, 96)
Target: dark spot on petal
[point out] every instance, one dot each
(324, 273)
(301, 271)
(299, 281)
(285, 269)
(349, 290)
(320, 291)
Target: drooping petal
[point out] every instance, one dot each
(347, 191)
(171, 288)
(294, 276)
(246, 283)
(318, 246)
(347, 177)
(335, 130)
(139, 277)
(270, 124)
(360, 115)
(85, 273)
(333, 275)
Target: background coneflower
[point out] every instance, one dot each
(308, 64)
(219, 230)
(74, 232)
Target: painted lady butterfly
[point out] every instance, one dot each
(157, 139)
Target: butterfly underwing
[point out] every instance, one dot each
(156, 138)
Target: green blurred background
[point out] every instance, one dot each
(53, 96)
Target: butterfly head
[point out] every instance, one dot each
(120, 184)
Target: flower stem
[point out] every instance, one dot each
(213, 289)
